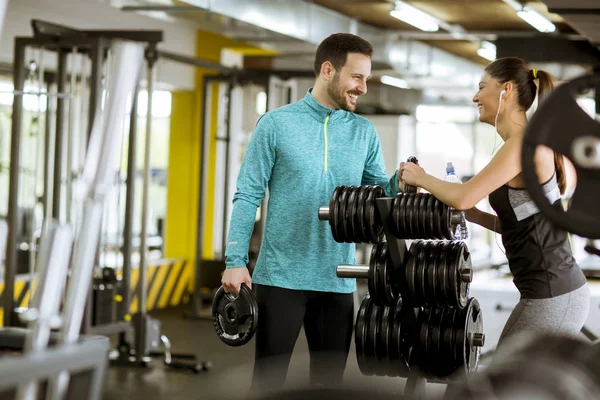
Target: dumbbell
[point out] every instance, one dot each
(352, 214)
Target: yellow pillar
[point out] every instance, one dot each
(184, 157)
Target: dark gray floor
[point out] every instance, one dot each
(232, 367)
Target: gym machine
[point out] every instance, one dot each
(58, 367)
(103, 315)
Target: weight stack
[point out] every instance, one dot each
(417, 314)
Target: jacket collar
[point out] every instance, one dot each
(319, 111)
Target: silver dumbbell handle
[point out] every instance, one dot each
(324, 213)
(352, 271)
(455, 217)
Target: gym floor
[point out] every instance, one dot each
(231, 372)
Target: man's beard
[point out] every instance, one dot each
(339, 96)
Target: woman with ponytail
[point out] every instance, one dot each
(555, 297)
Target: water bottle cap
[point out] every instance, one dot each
(449, 168)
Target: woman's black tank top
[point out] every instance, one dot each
(539, 253)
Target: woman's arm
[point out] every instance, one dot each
(505, 165)
(482, 218)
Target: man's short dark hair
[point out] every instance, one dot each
(335, 49)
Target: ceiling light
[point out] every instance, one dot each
(397, 82)
(532, 17)
(487, 50)
(537, 20)
(414, 17)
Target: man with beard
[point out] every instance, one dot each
(302, 152)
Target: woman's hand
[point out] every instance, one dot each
(411, 173)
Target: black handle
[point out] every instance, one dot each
(410, 188)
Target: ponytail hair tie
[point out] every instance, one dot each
(534, 73)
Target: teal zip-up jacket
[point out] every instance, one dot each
(302, 152)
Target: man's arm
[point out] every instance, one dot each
(252, 182)
(374, 172)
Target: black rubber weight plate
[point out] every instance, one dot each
(360, 332)
(360, 214)
(235, 317)
(333, 212)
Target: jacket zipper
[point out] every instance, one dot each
(326, 141)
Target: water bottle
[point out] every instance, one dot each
(461, 229)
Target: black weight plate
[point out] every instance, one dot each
(333, 212)
(460, 298)
(462, 346)
(385, 278)
(432, 276)
(373, 216)
(402, 217)
(392, 352)
(412, 216)
(384, 340)
(439, 220)
(341, 217)
(423, 216)
(408, 211)
(408, 286)
(474, 325)
(403, 337)
(447, 223)
(447, 276)
(372, 339)
(435, 330)
(419, 295)
(235, 317)
(381, 365)
(376, 276)
(425, 279)
(464, 262)
(421, 354)
(394, 214)
(430, 222)
(371, 281)
(449, 365)
(442, 276)
(416, 216)
(411, 274)
(414, 223)
(369, 213)
(360, 330)
(378, 227)
(423, 271)
(383, 275)
(350, 226)
(360, 213)
(453, 279)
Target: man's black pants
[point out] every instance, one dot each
(328, 324)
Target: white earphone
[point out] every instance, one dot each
(501, 94)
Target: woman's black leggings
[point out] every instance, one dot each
(328, 324)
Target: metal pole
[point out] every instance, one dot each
(97, 58)
(142, 287)
(129, 202)
(10, 268)
(48, 161)
(352, 271)
(197, 300)
(70, 133)
(60, 134)
(226, 177)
